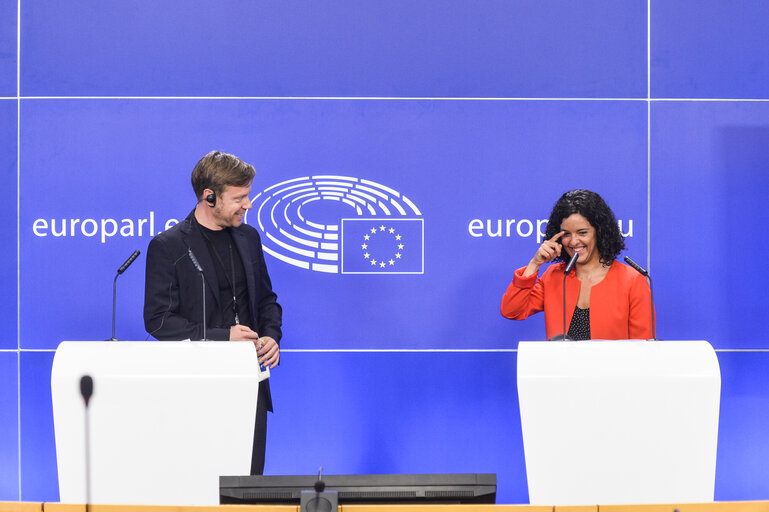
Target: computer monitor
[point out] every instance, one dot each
(362, 489)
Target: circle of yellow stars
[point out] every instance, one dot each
(387, 231)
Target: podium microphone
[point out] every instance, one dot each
(569, 266)
(86, 390)
(645, 273)
(197, 266)
(122, 269)
(572, 262)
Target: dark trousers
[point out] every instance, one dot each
(260, 438)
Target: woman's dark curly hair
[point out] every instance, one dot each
(590, 205)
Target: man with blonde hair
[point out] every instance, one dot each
(239, 302)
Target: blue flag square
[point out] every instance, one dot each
(382, 246)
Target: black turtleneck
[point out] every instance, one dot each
(229, 273)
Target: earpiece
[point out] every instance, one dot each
(211, 198)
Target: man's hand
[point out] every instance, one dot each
(268, 351)
(242, 333)
(266, 347)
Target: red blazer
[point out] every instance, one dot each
(620, 305)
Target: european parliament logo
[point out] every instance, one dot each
(372, 229)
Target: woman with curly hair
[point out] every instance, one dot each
(605, 299)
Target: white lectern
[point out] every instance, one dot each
(166, 419)
(619, 422)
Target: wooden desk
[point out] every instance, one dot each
(726, 506)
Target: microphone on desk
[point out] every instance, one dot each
(86, 391)
(320, 485)
(197, 266)
(645, 273)
(320, 500)
(122, 269)
(569, 267)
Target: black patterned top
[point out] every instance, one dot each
(579, 329)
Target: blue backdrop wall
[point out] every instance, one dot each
(457, 124)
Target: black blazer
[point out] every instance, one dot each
(173, 298)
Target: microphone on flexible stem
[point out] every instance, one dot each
(122, 269)
(203, 281)
(320, 485)
(572, 262)
(645, 273)
(569, 266)
(86, 390)
(320, 500)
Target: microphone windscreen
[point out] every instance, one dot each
(86, 388)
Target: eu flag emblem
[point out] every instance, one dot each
(382, 246)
